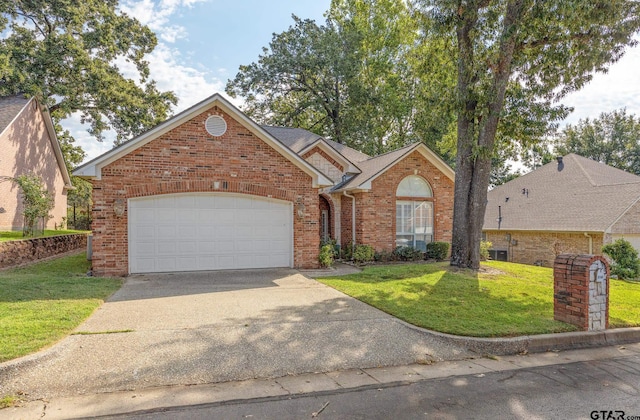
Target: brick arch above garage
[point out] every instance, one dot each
(214, 186)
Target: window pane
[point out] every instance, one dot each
(414, 186)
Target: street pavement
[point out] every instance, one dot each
(604, 389)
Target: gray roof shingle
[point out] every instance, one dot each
(375, 165)
(10, 106)
(577, 195)
(297, 139)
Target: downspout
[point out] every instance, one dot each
(353, 218)
(590, 242)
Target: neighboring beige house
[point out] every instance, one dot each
(28, 143)
(573, 205)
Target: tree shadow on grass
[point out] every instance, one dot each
(455, 301)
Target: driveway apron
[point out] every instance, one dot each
(208, 327)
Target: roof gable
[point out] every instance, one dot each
(301, 141)
(376, 166)
(577, 195)
(92, 169)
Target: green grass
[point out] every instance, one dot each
(14, 235)
(508, 300)
(8, 401)
(42, 303)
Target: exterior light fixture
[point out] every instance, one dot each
(118, 207)
(301, 208)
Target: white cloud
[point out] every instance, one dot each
(619, 88)
(156, 15)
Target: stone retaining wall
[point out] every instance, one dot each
(23, 251)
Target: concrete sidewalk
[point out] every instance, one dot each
(156, 399)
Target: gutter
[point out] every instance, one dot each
(590, 242)
(353, 218)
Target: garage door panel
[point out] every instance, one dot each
(186, 248)
(222, 216)
(185, 232)
(166, 248)
(166, 233)
(166, 264)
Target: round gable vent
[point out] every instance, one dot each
(215, 125)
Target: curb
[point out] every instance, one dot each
(538, 343)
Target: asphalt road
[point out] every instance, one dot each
(603, 389)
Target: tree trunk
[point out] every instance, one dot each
(477, 128)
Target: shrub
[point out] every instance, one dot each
(384, 256)
(363, 253)
(408, 253)
(347, 251)
(437, 250)
(625, 259)
(37, 202)
(327, 254)
(484, 250)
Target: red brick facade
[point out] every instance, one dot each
(376, 209)
(188, 159)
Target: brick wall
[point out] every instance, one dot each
(376, 209)
(541, 248)
(188, 159)
(346, 224)
(14, 253)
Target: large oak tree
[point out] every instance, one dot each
(531, 52)
(67, 53)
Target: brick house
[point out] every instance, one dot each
(572, 205)
(29, 145)
(211, 189)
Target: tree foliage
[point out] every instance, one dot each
(613, 138)
(37, 201)
(363, 78)
(515, 60)
(67, 52)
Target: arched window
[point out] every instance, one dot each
(414, 213)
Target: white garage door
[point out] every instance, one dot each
(191, 232)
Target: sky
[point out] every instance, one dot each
(202, 43)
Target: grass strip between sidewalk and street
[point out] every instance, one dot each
(502, 300)
(43, 302)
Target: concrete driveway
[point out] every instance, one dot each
(208, 327)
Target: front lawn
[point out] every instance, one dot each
(505, 299)
(42, 303)
(13, 235)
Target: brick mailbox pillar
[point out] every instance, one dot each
(581, 291)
